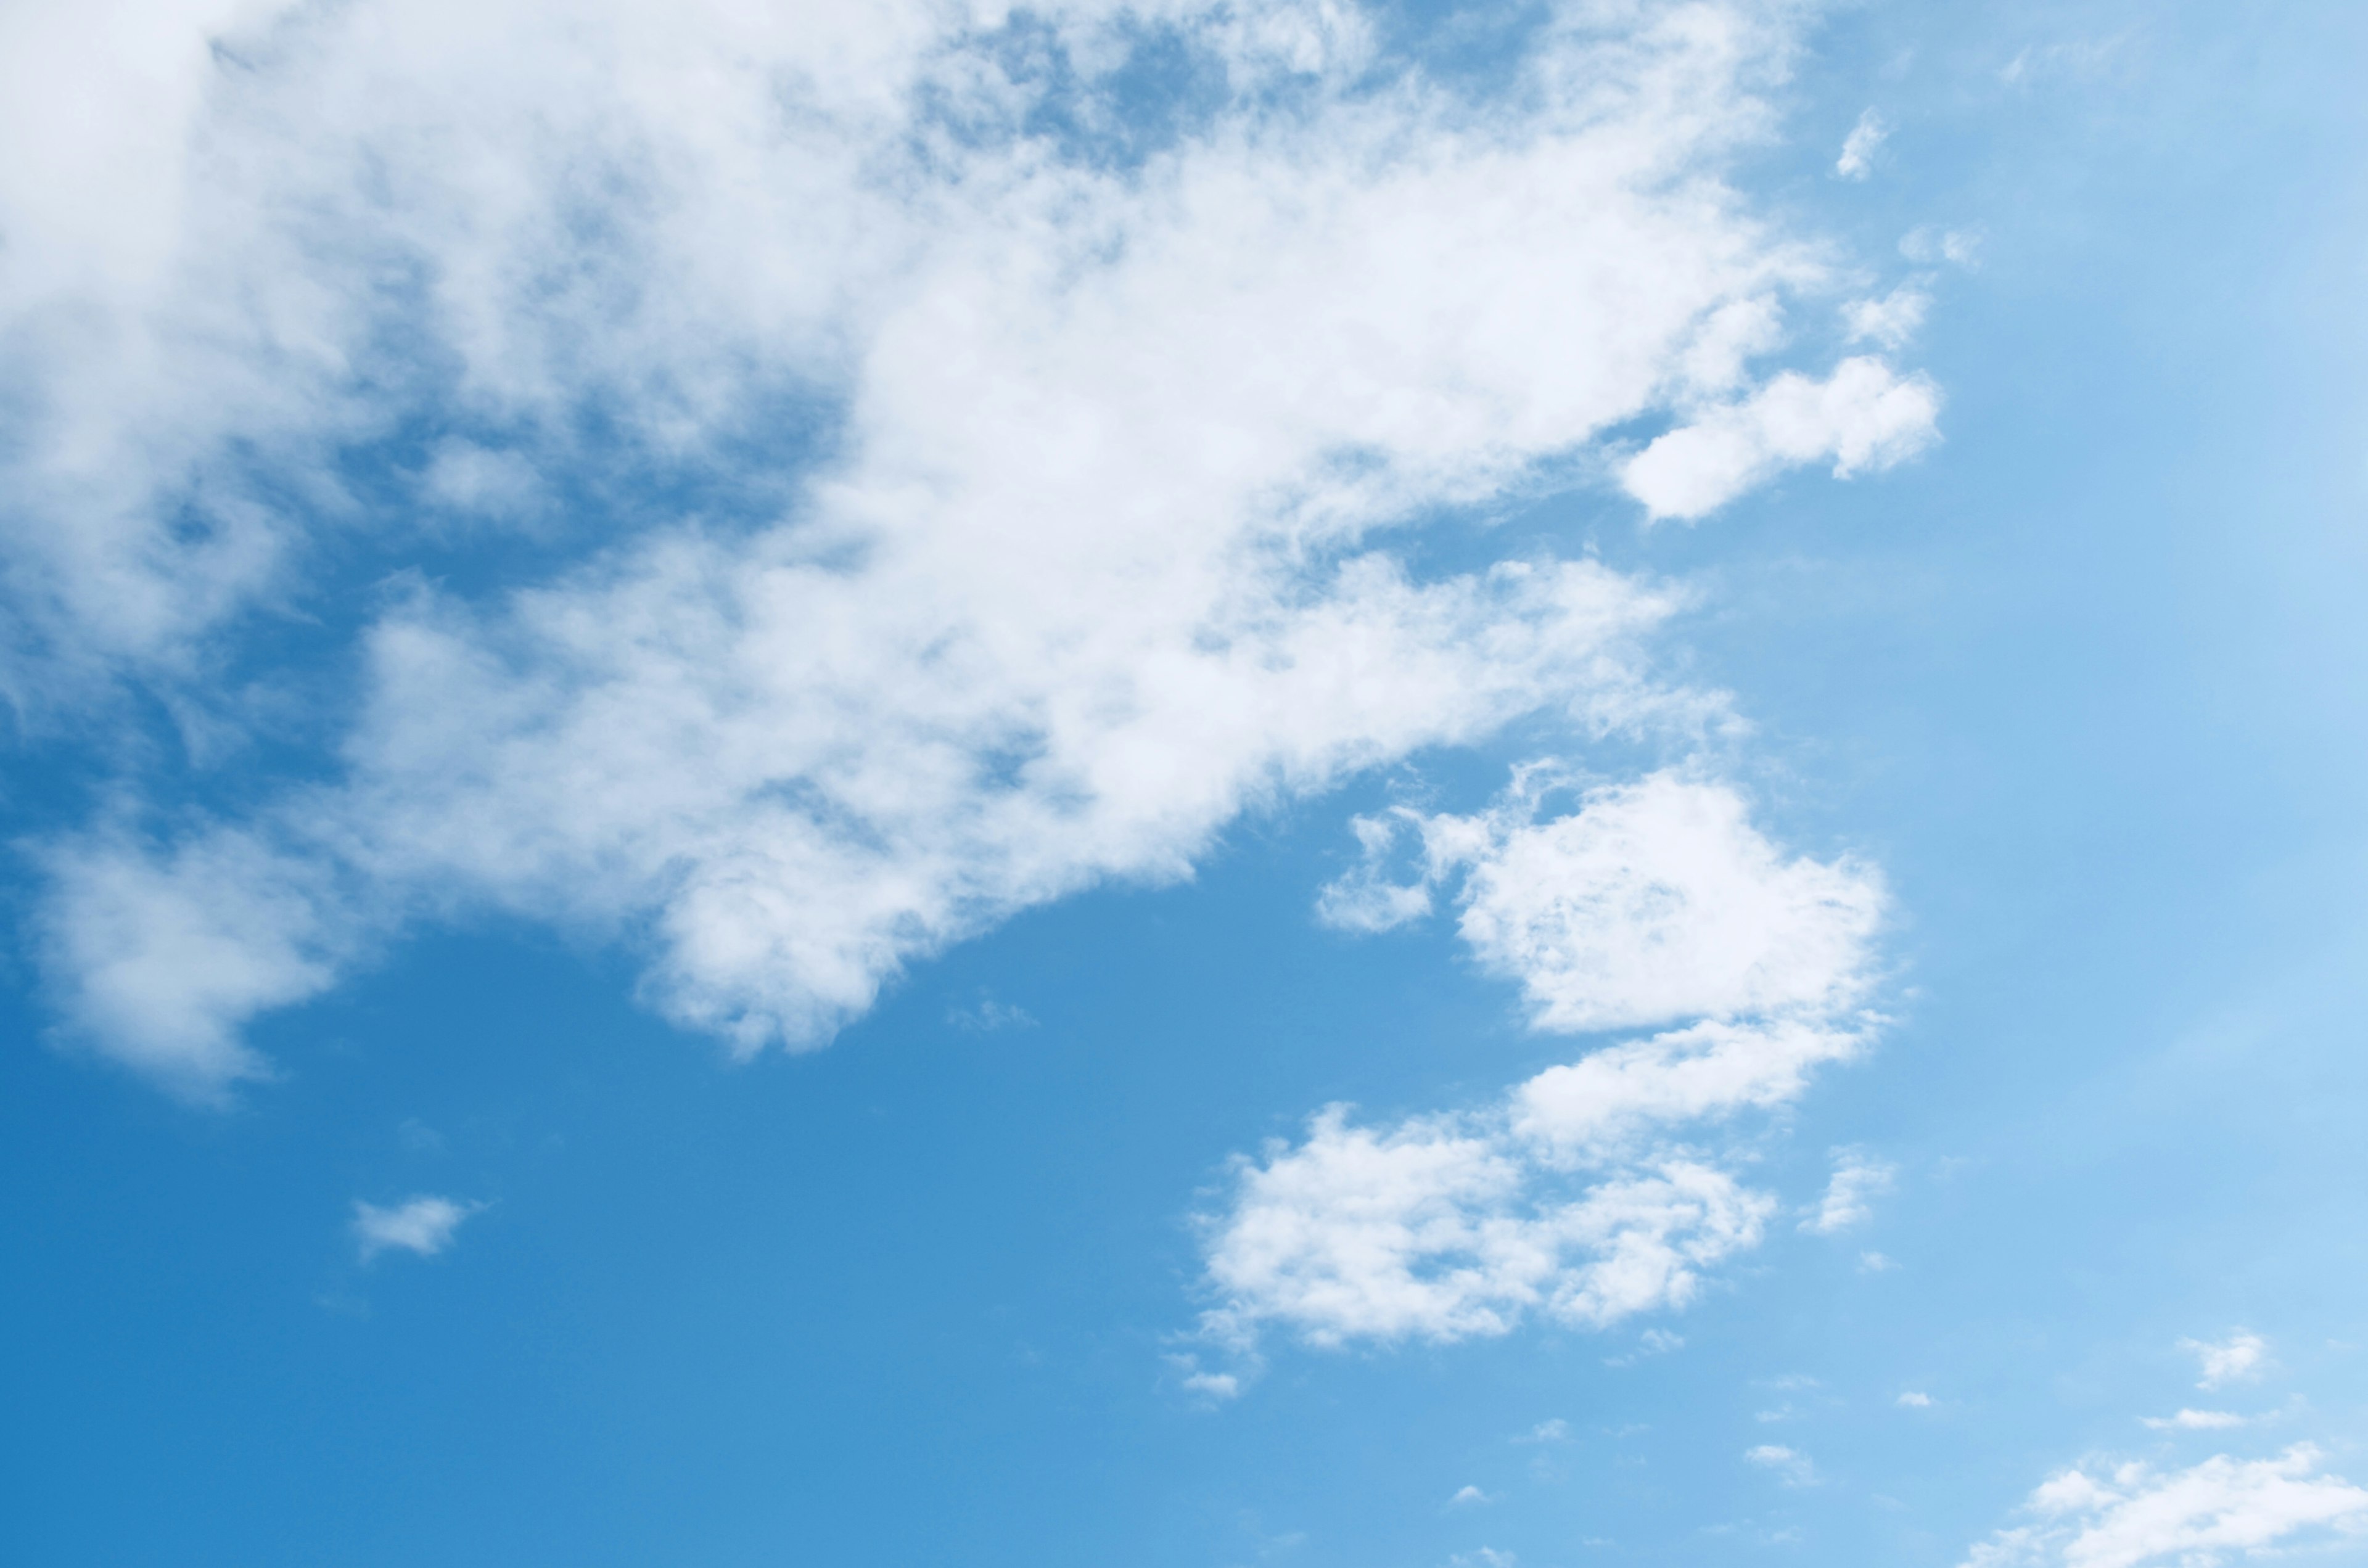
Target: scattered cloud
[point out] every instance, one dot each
(1469, 1497)
(1481, 1557)
(2241, 1357)
(1912, 1400)
(2130, 1515)
(1859, 148)
(423, 1225)
(1858, 1179)
(1557, 1430)
(1091, 550)
(1876, 1263)
(1571, 1198)
(1788, 1466)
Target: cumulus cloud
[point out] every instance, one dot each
(1041, 484)
(2239, 1358)
(1575, 1197)
(424, 1226)
(1856, 1179)
(1912, 1400)
(2132, 1515)
(1865, 417)
(1654, 899)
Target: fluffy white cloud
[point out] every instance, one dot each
(1653, 900)
(2238, 1359)
(1575, 1197)
(1857, 1180)
(1431, 1231)
(1078, 549)
(1865, 416)
(424, 1225)
(2133, 1515)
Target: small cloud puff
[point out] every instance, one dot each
(1859, 148)
(1557, 1430)
(1469, 1497)
(1857, 1180)
(1912, 1400)
(2239, 1358)
(423, 1225)
(1790, 1467)
(1892, 321)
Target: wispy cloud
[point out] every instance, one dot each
(2129, 1515)
(1857, 1181)
(1859, 148)
(2196, 1421)
(2241, 1357)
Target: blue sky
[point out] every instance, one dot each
(1173, 785)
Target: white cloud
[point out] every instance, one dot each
(1859, 148)
(1435, 1231)
(1481, 1557)
(1791, 1467)
(1469, 1496)
(2133, 1515)
(2195, 1421)
(1914, 1401)
(1893, 321)
(1865, 417)
(2239, 1358)
(1857, 1180)
(1093, 557)
(423, 1225)
(1653, 901)
(1574, 1196)
(1557, 1430)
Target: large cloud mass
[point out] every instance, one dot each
(832, 475)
